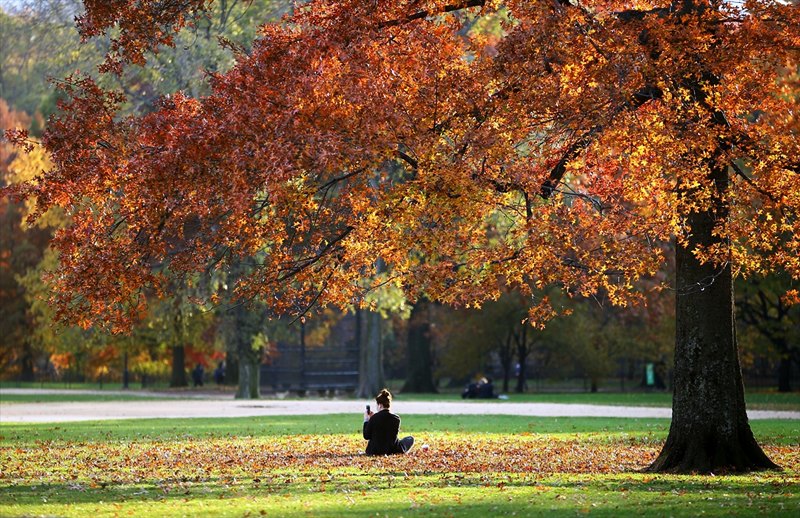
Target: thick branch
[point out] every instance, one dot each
(408, 159)
(638, 15)
(309, 261)
(640, 97)
(557, 173)
(457, 6)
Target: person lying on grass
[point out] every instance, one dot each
(381, 428)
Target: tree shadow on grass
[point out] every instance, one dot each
(443, 494)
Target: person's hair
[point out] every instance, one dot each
(384, 398)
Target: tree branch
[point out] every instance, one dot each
(465, 4)
(640, 97)
(302, 264)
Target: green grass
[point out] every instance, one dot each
(63, 385)
(755, 400)
(311, 466)
(775, 431)
(77, 398)
(421, 495)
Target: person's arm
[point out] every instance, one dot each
(367, 426)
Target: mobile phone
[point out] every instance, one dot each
(368, 409)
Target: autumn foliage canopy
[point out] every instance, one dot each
(470, 145)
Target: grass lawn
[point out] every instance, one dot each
(65, 398)
(312, 466)
(755, 400)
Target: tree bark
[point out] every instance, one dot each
(231, 367)
(419, 374)
(522, 356)
(26, 363)
(506, 358)
(249, 383)
(125, 373)
(785, 371)
(178, 377)
(370, 346)
(709, 430)
(249, 380)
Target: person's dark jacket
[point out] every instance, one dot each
(381, 432)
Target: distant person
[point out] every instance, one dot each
(486, 389)
(381, 428)
(197, 375)
(470, 391)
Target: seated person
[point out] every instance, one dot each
(381, 428)
(470, 392)
(486, 389)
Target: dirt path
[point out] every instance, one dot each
(228, 407)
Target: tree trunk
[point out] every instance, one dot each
(709, 430)
(125, 372)
(249, 380)
(231, 367)
(249, 383)
(26, 363)
(419, 374)
(522, 356)
(506, 359)
(178, 377)
(370, 349)
(785, 373)
(303, 380)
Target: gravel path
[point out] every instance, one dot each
(227, 407)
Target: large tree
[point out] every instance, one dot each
(564, 151)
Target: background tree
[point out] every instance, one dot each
(763, 306)
(34, 33)
(419, 349)
(383, 306)
(21, 249)
(475, 334)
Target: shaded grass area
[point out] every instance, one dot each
(420, 495)
(311, 465)
(755, 400)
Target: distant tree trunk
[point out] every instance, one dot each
(506, 358)
(522, 355)
(370, 348)
(125, 372)
(785, 371)
(231, 367)
(249, 383)
(302, 378)
(178, 377)
(419, 372)
(26, 363)
(249, 380)
(709, 429)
